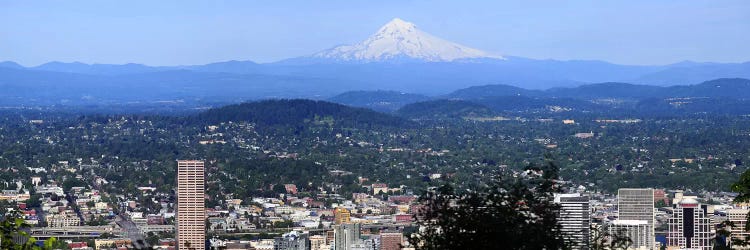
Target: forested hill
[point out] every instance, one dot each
(380, 100)
(738, 88)
(439, 109)
(296, 112)
(491, 91)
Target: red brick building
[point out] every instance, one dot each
(391, 241)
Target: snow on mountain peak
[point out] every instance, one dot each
(397, 25)
(399, 39)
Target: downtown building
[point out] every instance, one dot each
(638, 204)
(738, 217)
(690, 226)
(391, 240)
(318, 242)
(293, 240)
(636, 230)
(341, 216)
(346, 236)
(574, 218)
(191, 211)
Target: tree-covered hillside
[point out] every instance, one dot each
(297, 112)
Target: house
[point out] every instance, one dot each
(379, 188)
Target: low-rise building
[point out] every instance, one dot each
(62, 220)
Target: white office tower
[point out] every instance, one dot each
(637, 230)
(689, 227)
(637, 204)
(574, 218)
(739, 218)
(346, 235)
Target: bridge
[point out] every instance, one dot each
(63, 236)
(283, 230)
(71, 232)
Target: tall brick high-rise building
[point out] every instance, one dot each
(191, 211)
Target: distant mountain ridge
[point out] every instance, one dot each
(738, 88)
(506, 97)
(397, 57)
(429, 78)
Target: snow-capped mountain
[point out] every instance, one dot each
(399, 39)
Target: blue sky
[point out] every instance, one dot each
(189, 32)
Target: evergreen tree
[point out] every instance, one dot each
(507, 213)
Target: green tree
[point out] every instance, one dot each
(723, 234)
(34, 201)
(660, 203)
(602, 239)
(742, 187)
(512, 213)
(12, 229)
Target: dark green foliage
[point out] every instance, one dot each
(723, 234)
(660, 203)
(602, 239)
(742, 188)
(297, 112)
(442, 109)
(508, 213)
(13, 236)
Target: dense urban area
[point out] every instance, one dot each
(302, 174)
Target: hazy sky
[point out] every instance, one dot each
(188, 32)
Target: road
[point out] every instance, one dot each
(132, 232)
(276, 230)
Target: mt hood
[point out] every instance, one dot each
(399, 39)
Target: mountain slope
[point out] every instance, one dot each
(724, 87)
(737, 88)
(298, 112)
(379, 100)
(692, 73)
(444, 109)
(98, 69)
(489, 91)
(401, 40)
(608, 90)
(237, 67)
(10, 65)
